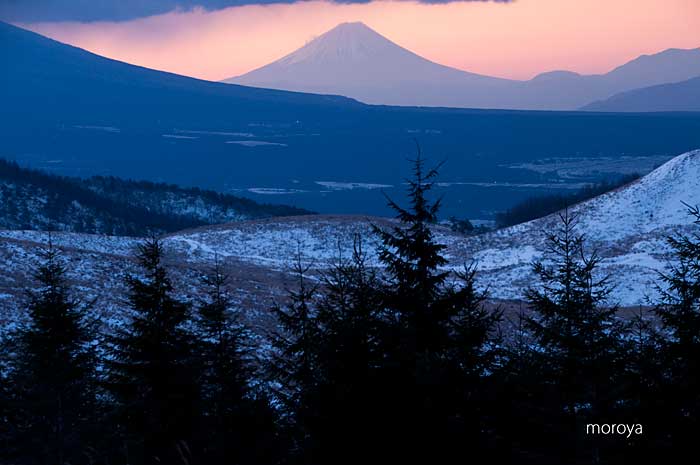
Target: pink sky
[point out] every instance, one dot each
(517, 40)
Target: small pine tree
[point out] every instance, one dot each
(223, 347)
(578, 334)
(294, 366)
(151, 374)
(52, 373)
(518, 396)
(412, 259)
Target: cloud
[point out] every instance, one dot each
(122, 10)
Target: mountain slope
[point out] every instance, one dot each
(353, 60)
(628, 228)
(68, 82)
(35, 200)
(680, 96)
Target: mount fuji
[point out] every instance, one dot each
(352, 59)
(355, 61)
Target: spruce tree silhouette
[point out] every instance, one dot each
(52, 374)
(680, 314)
(294, 366)
(579, 338)
(434, 338)
(350, 319)
(151, 373)
(237, 424)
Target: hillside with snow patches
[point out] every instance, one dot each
(37, 200)
(627, 227)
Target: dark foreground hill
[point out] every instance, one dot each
(33, 200)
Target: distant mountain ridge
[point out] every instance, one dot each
(678, 96)
(354, 60)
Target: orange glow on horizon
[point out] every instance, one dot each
(516, 40)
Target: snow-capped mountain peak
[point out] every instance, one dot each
(355, 61)
(354, 56)
(346, 42)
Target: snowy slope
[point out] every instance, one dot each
(97, 266)
(654, 201)
(628, 227)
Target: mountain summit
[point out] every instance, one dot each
(353, 42)
(353, 60)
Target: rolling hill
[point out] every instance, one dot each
(33, 200)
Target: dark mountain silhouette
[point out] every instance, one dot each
(70, 83)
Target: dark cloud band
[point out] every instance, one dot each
(120, 10)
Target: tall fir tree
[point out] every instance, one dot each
(433, 339)
(52, 391)
(152, 374)
(679, 312)
(578, 335)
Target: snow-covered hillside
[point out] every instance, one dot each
(97, 266)
(628, 228)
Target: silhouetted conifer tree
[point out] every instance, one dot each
(349, 357)
(680, 314)
(294, 367)
(51, 395)
(578, 337)
(151, 373)
(433, 341)
(238, 424)
(519, 396)
(642, 399)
